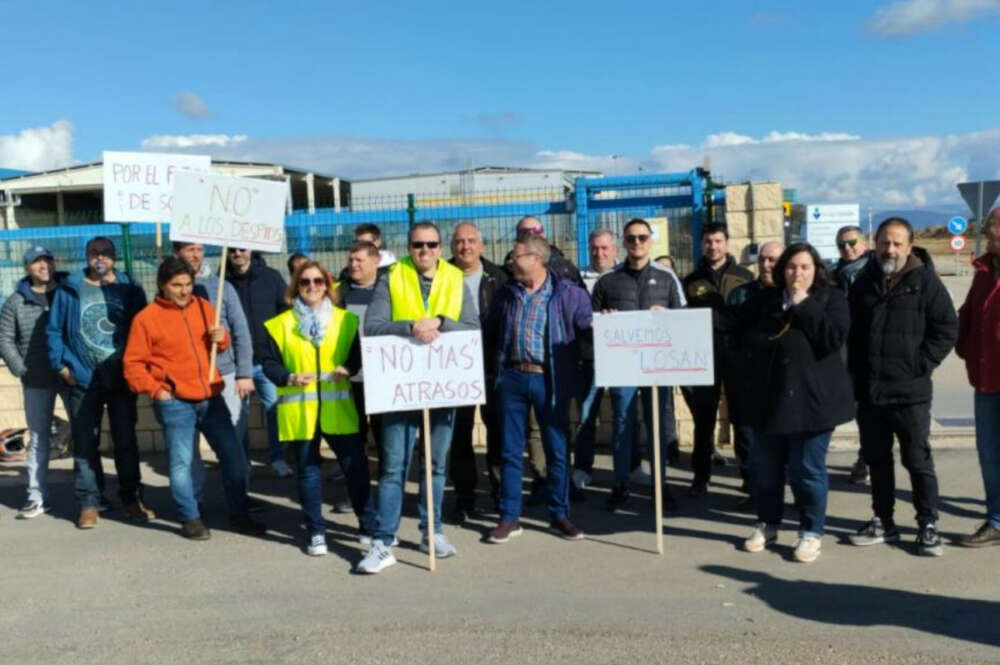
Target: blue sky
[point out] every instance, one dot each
(887, 102)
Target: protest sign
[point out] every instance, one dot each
(139, 186)
(402, 374)
(670, 347)
(229, 211)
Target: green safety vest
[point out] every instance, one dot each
(332, 401)
(445, 298)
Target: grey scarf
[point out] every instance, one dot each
(313, 322)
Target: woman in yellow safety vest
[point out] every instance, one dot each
(313, 350)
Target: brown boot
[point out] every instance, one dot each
(88, 518)
(138, 512)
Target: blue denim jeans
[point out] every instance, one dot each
(180, 420)
(518, 393)
(267, 393)
(38, 406)
(399, 433)
(589, 402)
(987, 411)
(351, 455)
(624, 434)
(804, 454)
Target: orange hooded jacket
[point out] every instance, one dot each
(168, 349)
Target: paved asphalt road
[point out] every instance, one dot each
(141, 594)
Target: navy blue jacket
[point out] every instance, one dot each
(66, 345)
(570, 318)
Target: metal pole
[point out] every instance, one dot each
(411, 209)
(127, 248)
(979, 216)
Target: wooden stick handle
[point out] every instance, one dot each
(218, 311)
(429, 489)
(656, 470)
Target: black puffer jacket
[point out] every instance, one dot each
(900, 331)
(619, 289)
(794, 379)
(262, 294)
(494, 277)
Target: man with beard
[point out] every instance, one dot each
(903, 324)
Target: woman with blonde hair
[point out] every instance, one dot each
(312, 352)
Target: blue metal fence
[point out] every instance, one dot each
(327, 234)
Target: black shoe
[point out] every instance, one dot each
(248, 525)
(195, 530)
(929, 541)
(668, 502)
(718, 459)
(537, 496)
(699, 488)
(255, 505)
(464, 510)
(617, 499)
(576, 495)
(104, 505)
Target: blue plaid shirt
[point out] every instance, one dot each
(525, 341)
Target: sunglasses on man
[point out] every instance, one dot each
(639, 238)
(848, 243)
(429, 244)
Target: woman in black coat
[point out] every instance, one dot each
(795, 383)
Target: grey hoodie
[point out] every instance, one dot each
(238, 357)
(22, 336)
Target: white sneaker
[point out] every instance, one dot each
(442, 546)
(807, 549)
(379, 558)
(581, 478)
(32, 509)
(281, 469)
(317, 545)
(762, 536)
(366, 540)
(640, 476)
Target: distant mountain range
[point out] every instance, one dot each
(921, 218)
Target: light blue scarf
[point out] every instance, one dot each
(313, 322)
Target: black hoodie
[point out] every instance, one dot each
(262, 294)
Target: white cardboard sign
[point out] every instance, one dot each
(654, 348)
(139, 186)
(227, 210)
(402, 374)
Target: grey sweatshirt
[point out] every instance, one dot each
(238, 357)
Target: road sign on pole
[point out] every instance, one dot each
(958, 225)
(980, 197)
(957, 243)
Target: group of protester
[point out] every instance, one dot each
(781, 340)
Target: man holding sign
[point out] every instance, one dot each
(421, 296)
(535, 327)
(637, 284)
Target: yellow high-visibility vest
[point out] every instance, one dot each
(445, 298)
(330, 402)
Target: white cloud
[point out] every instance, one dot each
(191, 105)
(160, 141)
(38, 148)
(827, 166)
(907, 17)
